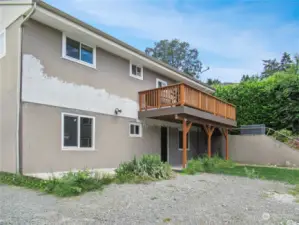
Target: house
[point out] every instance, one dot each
(74, 97)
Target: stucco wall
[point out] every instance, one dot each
(52, 85)
(260, 149)
(42, 145)
(9, 98)
(58, 80)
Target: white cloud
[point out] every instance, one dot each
(219, 33)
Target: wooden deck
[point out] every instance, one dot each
(185, 95)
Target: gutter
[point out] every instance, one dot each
(96, 31)
(19, 141)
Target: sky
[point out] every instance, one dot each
(232, 36)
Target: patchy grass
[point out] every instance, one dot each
(295, 191)
(221, 166)
(287, 175)
(166, 220)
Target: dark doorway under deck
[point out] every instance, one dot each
(164, 147)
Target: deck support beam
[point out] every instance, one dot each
(186, 128)
(209, 131)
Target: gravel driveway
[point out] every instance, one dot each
(202, 199)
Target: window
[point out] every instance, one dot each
(78, 131)
(181, 140)
(135, 130)
(136, 71)
(160, 83)
(78, 52)
(2, 43)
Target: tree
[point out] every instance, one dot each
(178, 54)
(272, 66)
(213, 81)
(249, 77)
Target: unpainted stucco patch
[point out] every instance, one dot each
(40, 88)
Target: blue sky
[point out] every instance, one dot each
(232, 36)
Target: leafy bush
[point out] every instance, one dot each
(206, 164)
(70, 184)
(282, 135)
(148, 167)
(273, 101)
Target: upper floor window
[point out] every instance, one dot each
(136, 71)
(160, 83)
(78, 52)
(2, 43)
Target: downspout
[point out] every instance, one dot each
(19, 134)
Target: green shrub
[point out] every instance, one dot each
(206, 164)
(283, 135)
(148, 167)
(70, 184)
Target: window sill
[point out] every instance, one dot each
(136, 77)
(135, 136)
(93, 66)
(79, 149)
(180, 149)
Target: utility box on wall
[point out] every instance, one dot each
(255, 129)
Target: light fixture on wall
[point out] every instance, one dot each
(117, 111)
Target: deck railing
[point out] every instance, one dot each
(185, 95)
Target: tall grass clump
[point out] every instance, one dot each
(147, 168)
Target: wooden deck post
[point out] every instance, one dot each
(209, 131)
(186, 129)
(184, 156)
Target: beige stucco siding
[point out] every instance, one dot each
(59, 85)
(42, 145)
(111, 73)
(9, 98)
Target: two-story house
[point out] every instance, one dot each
(73, 97)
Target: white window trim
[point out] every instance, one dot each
(65, 56)
(162, 81)
(180, 149)
(4, 43)
(74, 148)
(140, 130)
(133, 75)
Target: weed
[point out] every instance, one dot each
(166, 220)
(251, 173)
(70, 184)
(147, 168)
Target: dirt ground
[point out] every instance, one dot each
(201, 199)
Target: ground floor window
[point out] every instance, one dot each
(181, 140)
(77, 131)
(135, 130)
